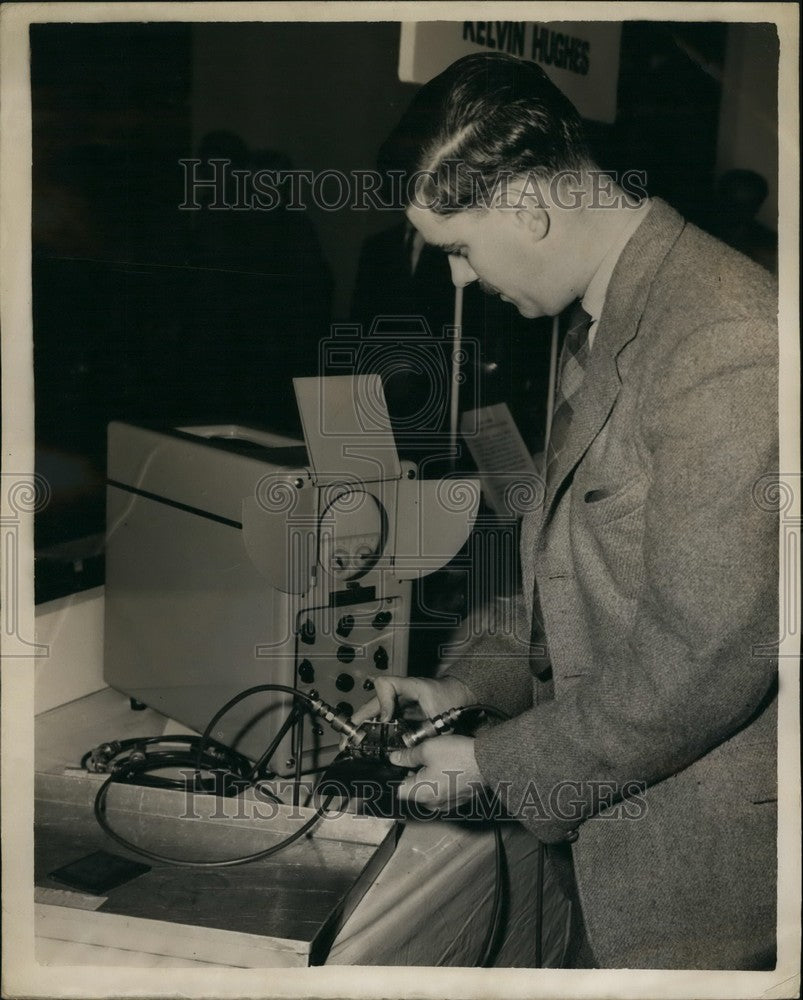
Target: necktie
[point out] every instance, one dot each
(573, 359)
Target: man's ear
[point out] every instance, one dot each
(534, 217)
(523, 199)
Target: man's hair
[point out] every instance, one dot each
(486, 117)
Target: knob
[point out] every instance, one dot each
(381, 658)
(345, 682)
(344, 708)
(345, 654)
(368, 685)
(345, 625)
(381, 619)
(306, 672)
(307, 632)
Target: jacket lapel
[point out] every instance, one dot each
(624, 305)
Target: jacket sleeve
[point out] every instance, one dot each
(688, 676)
(495, 666)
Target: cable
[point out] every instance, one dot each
(489, 946)
(119, 754)
(257, 689)
(298, 753)
(437, 726)
(539, 905)
(271, 750)
(132, 768)
(445, 722)
(338, 722)
(497, 713)
(138, 763)
(487, 954)
(100, 807)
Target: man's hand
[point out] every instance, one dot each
(414, 697)
(447, 774)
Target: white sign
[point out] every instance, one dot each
(580, 57)
(500, 454)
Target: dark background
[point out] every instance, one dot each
(144, 312)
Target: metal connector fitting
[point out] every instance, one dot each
(338, 722)
(430, 728)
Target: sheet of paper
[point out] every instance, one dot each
(509, 476)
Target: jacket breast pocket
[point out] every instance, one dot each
(607, 535)
(601, 503)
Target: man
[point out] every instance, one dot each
(644, 728)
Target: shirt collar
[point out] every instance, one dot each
(594, 298)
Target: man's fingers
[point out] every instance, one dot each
(407, 758)
(382, 705)
(367, 711)
(386, 693)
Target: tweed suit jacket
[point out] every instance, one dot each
(656, 564)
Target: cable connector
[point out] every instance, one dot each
(429, 728)
(99, 758)
(339, 723)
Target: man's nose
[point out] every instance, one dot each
(462, 272)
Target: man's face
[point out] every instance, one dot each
(497, 247)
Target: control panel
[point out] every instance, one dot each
(340, 651)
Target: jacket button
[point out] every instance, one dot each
(571, 836)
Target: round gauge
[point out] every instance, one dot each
(352, 534)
